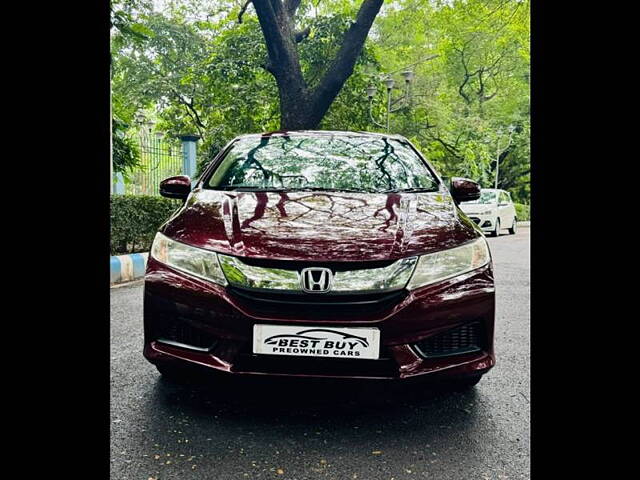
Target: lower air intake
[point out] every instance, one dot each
(182, 333)
(463, 339)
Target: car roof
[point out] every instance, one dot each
(306, 133)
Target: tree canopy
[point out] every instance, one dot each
(204, 67)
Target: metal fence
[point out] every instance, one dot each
(159, 158)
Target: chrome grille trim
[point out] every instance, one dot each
(183, 345)
(370, 280)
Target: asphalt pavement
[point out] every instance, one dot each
(288, 429)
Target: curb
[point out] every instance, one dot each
(125, 268)
(524, 224)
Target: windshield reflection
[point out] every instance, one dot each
(322, 163)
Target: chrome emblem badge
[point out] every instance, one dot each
(316, 279)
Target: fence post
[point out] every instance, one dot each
(119, 186)
(110, 140)
(189, 155)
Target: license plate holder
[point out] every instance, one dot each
(321, 342)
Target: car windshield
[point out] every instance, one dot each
(322, 162)
(485, 197)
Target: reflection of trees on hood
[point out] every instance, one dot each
(261, 206)
(393, 200)
(307, 203)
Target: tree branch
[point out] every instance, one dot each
(486, 98)
(299, 107)
(342, 66)
(191, 110)
(461, 88)
(448, 147)
(301, 35)
(291, 6)
(279, 39)
(243, 9)
(452, 149)
(467, 75)
(480, 85)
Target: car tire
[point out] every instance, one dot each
(496, 230)
(512, 230)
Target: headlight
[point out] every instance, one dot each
(195, 261)
(438, 266)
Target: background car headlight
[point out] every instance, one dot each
(438, 266)
(195, 261)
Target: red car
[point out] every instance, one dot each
(325, 254)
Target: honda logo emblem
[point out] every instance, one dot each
(316, 279)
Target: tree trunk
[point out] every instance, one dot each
(300, 107)
(295, 109)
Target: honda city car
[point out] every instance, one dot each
(321, 254)
(493, 211)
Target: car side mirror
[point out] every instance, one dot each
(176, 187)
(464, 190)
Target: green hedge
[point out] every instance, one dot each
(135, 220)
(522, 212)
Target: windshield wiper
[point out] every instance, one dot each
(326, 189)
(411, 190)
(290, 189)
(233, 188)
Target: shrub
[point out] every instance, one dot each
(522, 212)
(135, 219)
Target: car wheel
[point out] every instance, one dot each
(496, 230)
(512, 230)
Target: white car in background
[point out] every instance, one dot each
(492, 212)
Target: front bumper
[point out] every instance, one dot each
(215, 326)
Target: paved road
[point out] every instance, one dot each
(276, 430)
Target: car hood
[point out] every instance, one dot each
(320, 226)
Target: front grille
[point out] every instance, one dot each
(463, 339)
(300, 264)
(476, 220)
(316, 306)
